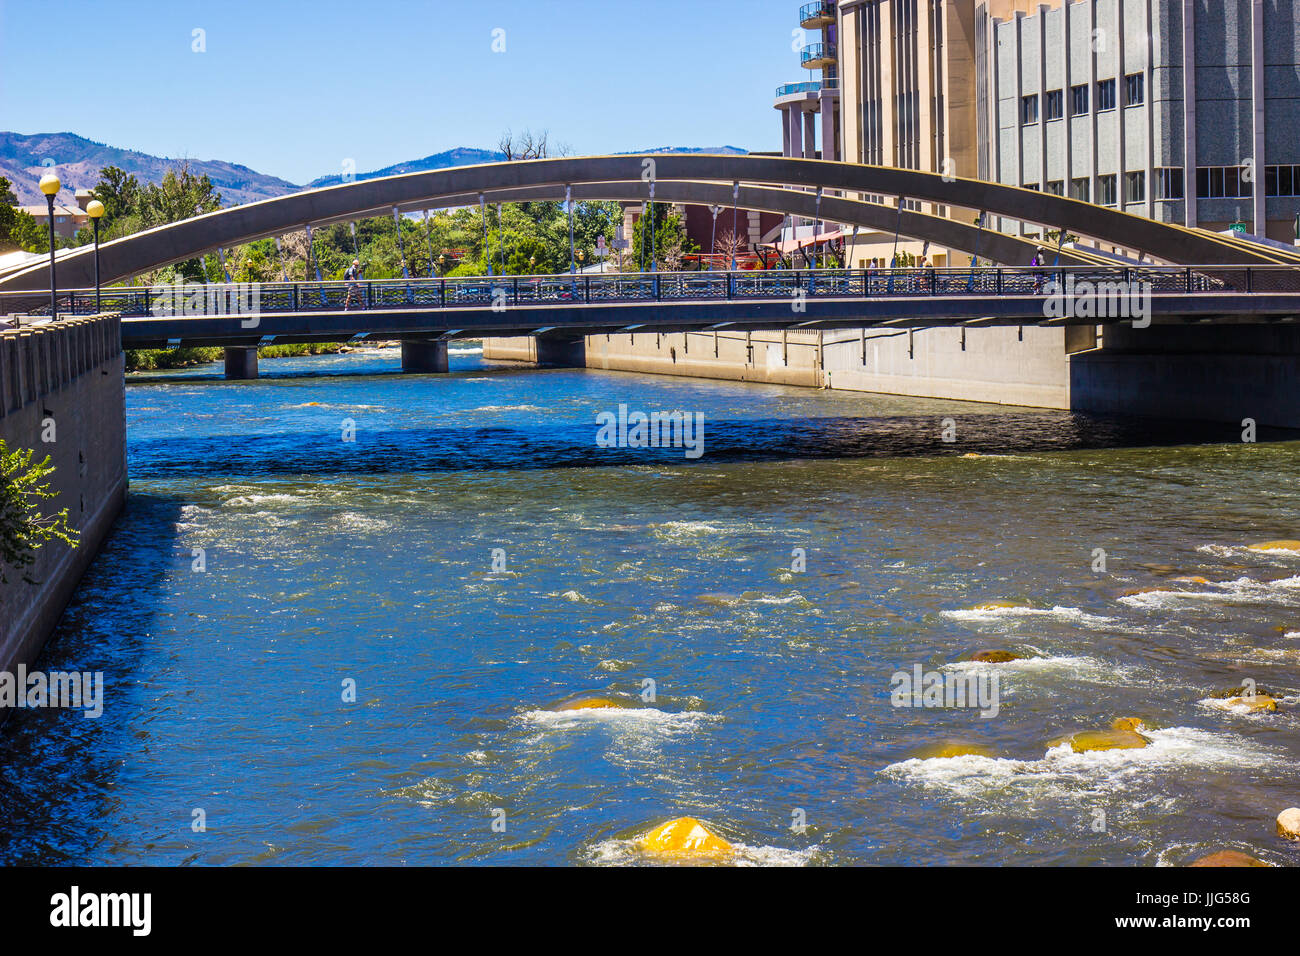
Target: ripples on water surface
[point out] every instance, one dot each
(372, 561)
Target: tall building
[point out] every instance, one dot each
(1084, 98)
(803, 103)
(1180, 110)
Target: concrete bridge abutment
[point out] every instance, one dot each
(241, 362)
(542, 352)
(424, 356)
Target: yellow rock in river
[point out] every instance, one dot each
(1276, 546)
(684, 837)
(1089, 740)
(955, 749)
(995, 606)
(1228, 858)
(591, 703)
(1127, 723)
(1259, 704)
(1288, 823)
(994, 657)
(1192, 579)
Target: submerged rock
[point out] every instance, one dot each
(1259, 704)
(950, 749)
(684, 838)
(1192, 579)
(1228, 858)
(1276, 546)
(1288, 823)
(1134, 592)
(997, 605)
(591, 703)
(1123, 735)
(995, 657)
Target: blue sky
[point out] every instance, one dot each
(296, 88)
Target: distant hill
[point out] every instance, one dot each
(79, 160)
(460, 156)
(712, 150)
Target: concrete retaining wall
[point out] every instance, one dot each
(67, 377)
(1001, 365)
(1223, 373)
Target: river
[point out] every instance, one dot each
(472, 558)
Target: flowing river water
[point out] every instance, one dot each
(473, 558)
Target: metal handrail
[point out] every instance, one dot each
(824, 8)
(588, 289)
(817, 51)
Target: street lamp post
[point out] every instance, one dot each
(95, 209)
(49, 185)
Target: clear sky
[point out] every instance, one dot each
(296, 88)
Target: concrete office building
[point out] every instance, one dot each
(1084, 98)
(802, 104)
(1093, 99)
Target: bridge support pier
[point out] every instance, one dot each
(423, 357)
(562, 353)
(241, 361)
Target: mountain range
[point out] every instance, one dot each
(78, 161)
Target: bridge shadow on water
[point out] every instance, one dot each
(573, 445)
(59, 768)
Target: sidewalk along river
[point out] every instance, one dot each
(327, 651)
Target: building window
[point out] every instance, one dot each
(1080, 189)
(1105, 95)
(1053, 104)
(1222, 182)
(1079, 100)
(1169, 183)
(1135, 187)
(1106, 190)
(1134, 89)
(1282, 181)
(1029, 110)
(1033, 186)
(1056, 187)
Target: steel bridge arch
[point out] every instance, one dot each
(629, 177)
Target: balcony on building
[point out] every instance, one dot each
(818, 56)
(814, 16)
(810, 90)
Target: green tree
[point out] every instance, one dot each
(671, 243)
(119, 191)
(23, 528)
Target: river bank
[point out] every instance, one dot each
(389, 623)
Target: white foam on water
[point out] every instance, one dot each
(509, 408)
(637, 720)
(684, 529)
(252, 501)
(477, 351)
(1070, 615)
(1084, 668)
(1243, 590)
(1245, 550)
(575, 597)
(1242, 709)
(1062, 772)
(629, 853)
(352, 521)
(795, 598)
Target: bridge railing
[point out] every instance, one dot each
(598, 288)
